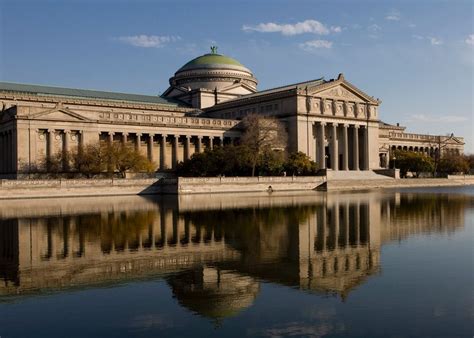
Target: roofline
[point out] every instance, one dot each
(269, 91)
(170, 102)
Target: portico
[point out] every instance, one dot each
(340, 146)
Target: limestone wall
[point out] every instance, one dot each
(195, 185)
(84, 187)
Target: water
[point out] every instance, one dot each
(367, 264)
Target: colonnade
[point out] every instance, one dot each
(164, 149)
(172, 148)
(346, 149)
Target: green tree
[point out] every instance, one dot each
(415, 163)
(271, 162)
(124, 158)
(91, 160)
(98, 158)
(453, 163)
(300, 164)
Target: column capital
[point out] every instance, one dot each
(66, 131)
(345, 125)
(356, 126)
(188, 136)
(164, 135)
(124, 133)
(322, 124)
(199, 137)
(151, 135)
(51, 130)
(111, 133)
(139, 134)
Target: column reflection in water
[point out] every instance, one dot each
(214, 251)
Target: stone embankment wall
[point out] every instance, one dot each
(84, 187)
(15, 189)
(344, 185)
(197, 185)
(10, 189)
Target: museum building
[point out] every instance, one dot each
(332, 121)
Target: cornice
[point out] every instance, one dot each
(251, 100)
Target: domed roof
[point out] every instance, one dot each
(213, 60)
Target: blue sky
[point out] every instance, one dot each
(416, 56)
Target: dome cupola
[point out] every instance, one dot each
(212, 71)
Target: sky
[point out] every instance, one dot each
(416, 56)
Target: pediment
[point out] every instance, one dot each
(238, 88)
(341, 90)
(454, 141)
(61, 114)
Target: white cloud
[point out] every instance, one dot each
(435, 41)
(411, 25)
(437, 119)
(374, 30)
(148, 41)
(315, 44)
(307, 26)
(393, 15)
(470, 40)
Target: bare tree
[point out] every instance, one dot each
(262, 134)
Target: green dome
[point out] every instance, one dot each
(213, 61)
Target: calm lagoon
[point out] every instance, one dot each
(394, 263)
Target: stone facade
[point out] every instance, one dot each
(332, 121)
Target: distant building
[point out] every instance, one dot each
(332, 121)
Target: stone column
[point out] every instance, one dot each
(139, 141)
(163, 151)
(50, 144)
(345, 148)
(150, 147)
(199, 145)
(111, 138)
(221, 141)
(175, 150)
(365, 156)
(211, 142)
(334, 149)
(321, 147)
(124, 138)
(66, 135)
(355, 147)
(187, 147)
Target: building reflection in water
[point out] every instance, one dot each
(213, 251)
